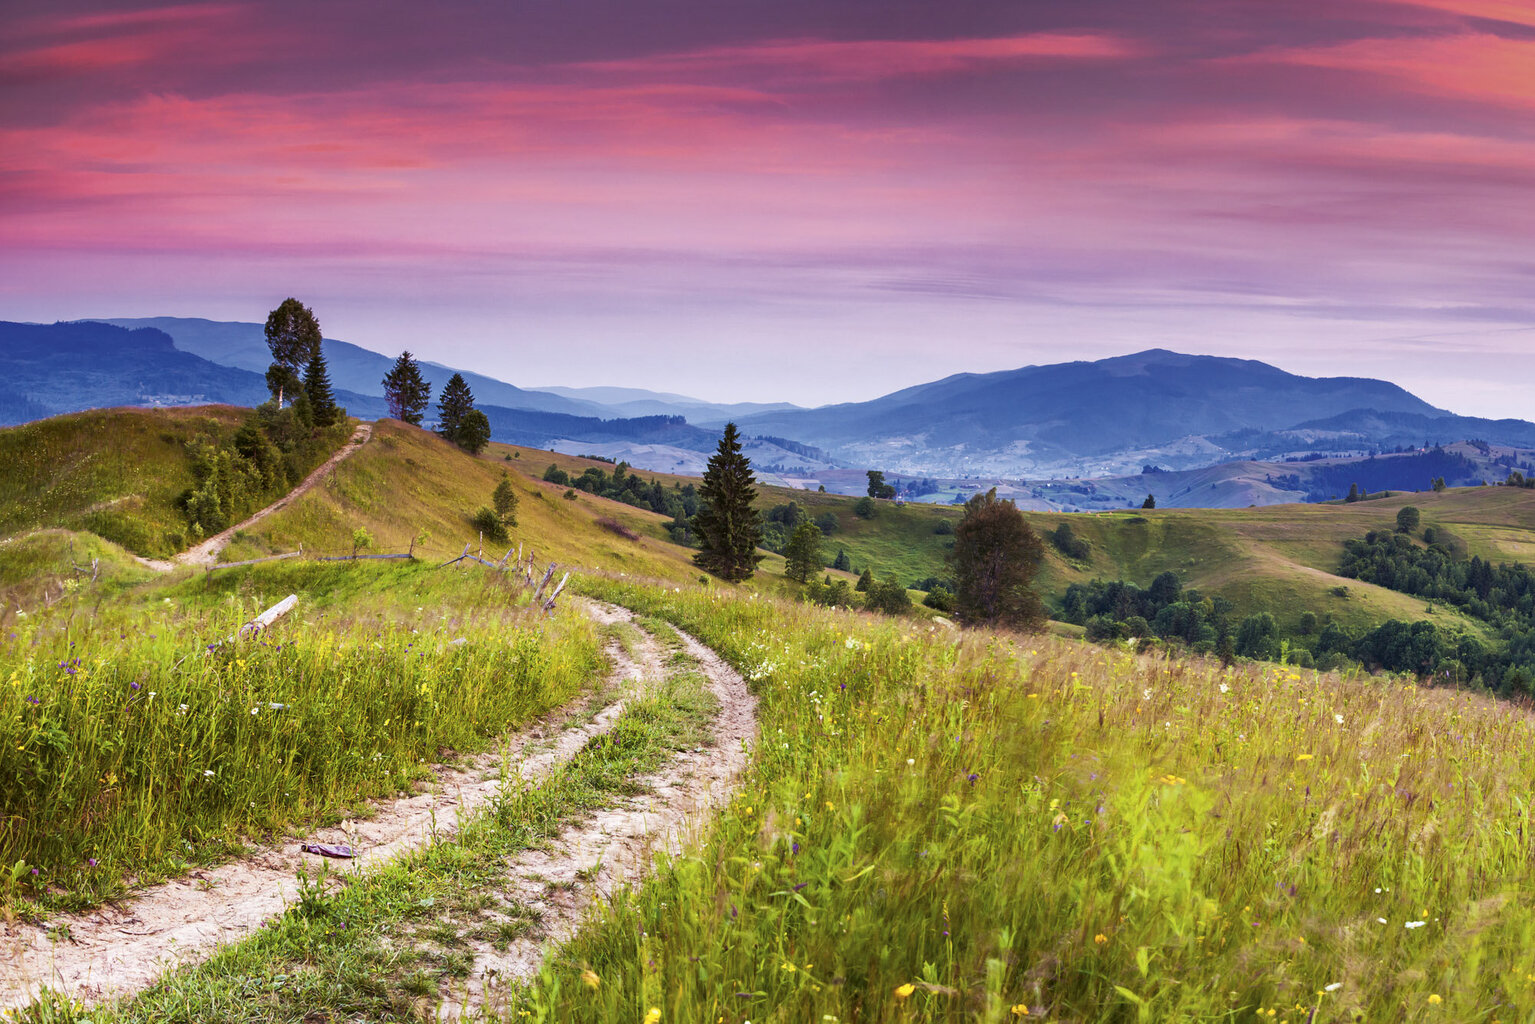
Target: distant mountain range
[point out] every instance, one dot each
(1064, 421)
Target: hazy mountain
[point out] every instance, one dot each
(351, 367)
(639, 402)
(55, 368)
(1092, 408)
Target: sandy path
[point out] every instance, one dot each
(120, 949)
(207, 553)
(614, 847)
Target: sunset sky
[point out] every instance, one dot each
(802, 200)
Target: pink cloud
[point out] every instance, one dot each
(1471, 65)
(1519, 12)
(872, 59)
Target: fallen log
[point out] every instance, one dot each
(266, 618)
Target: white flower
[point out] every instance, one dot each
(1382, 920)
(253, 710)
(911, 760)
(1413, 924)
(1338, 719)
(1333, 987)
(1146, 694)
(1225, 688)
(208, 771)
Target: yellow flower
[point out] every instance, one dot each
(902, 991)
(1434, 1000)
(653, 1015)
(1304, 757)
(590, 977)
(1021, 1009)
(1100, 938)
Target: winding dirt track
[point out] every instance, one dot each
(207, 553)
(121, 949)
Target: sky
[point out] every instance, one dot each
(793, 200)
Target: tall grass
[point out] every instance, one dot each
(986, 829)
(143, 741)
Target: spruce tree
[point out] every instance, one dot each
(842, 561)
(405, 391)
(505, 501)
(322, 398)
(728, 527)
(803, 553)
(452, 406)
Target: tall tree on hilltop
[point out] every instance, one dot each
(995, 558)
(405, 391)
(452, 406)
(728, 527)
(293, 335)
(322, 398)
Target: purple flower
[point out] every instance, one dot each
(972, 778)
(134, 686)
(796, 847)
(33, 700)
(91, 861)
(34, 871)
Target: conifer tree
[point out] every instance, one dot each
(452, 406)
(803, 553)
(842, 561)
(728, 527)
(405, 391)
(322, 398)
(505, 501)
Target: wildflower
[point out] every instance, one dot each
(1333, 987)
(902, 991)
(1225, 688)
(1382, 920)
(1338, 719)
(911, 761)
(590, 977)
(134, 686)
(1413, 924)
(1433, 999)
(91, 861)
(1304, 757)
(253, 710)
(1020, 1009)
(1100, 938)
(652, 1015)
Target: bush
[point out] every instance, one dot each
(614, 526)
(940, 599)
(888, 597)
(487, 522)
(864, 508)
(555, 475)
(944, 528)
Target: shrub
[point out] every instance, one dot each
(888, 597)
(864, 508)
(487, 522)
(614, 526)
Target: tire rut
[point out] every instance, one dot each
(122, 948)
(613, 848)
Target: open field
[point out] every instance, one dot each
(931, 825)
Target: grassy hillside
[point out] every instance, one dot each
(931, 827)
(408, 481)
(114, 472)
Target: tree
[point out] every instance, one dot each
(1407, 519)
(995, 558)
(1353, 493)
(1439, 484)
(322, 399)
(865, 581)
(474, 432)
(826, 522)
(864, 508)
(405, 391)
(803, 553)
(842, 561)
(877, 486)
(293, 335)
(452, 406)
(505, 501)
(727, 526)
(1150, 502)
